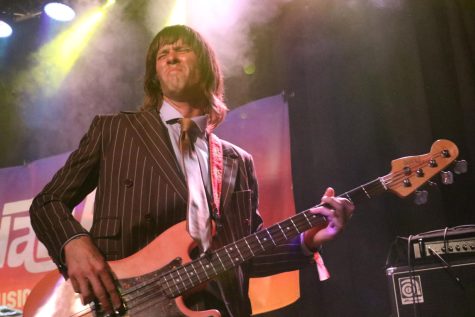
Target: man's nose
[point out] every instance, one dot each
(172, 58)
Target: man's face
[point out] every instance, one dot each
(177, 71)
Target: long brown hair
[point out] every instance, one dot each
(211, 76)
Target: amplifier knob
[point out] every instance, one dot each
(451, 249)
(465, 247)
(457, 247)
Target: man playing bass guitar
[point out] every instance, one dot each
(145, 183)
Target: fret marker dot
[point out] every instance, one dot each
(265, 239)
(207, 265)
(287, 228)
(237, 259)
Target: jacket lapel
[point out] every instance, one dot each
(154, 137)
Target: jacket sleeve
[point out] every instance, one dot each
(51, 210)
(285, 257)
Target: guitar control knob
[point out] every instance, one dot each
(432, 163)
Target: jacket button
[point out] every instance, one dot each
(128, 182)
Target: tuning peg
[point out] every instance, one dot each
(460, 167)
(447, 177)
(421, 197)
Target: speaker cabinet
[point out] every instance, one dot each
(433, 289)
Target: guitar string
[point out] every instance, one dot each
(146, 296)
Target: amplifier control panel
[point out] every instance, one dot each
(453, 246)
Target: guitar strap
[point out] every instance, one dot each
(216, 171)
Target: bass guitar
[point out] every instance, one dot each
(153, 281)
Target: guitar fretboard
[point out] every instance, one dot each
(185, 277)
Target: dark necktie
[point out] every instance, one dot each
(198, 220)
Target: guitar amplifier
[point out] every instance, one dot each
(440, 280)
(433, 290)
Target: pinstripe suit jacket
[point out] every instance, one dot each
(141, 192)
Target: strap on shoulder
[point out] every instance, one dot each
(216, 171)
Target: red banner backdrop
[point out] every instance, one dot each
(260, 127)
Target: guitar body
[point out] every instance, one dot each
(54, 296)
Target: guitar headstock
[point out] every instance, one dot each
(411, 172)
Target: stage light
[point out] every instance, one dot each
(6, 22)
(5, 29)
(109, 3)
(59, 11)
(57, 58)
(249, 69)
(178, 14)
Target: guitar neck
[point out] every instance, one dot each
(185, 277)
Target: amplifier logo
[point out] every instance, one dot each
(411, 290)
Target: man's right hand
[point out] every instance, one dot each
(90, 274)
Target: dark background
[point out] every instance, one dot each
(366, 81)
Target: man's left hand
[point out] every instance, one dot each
(337, 212)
